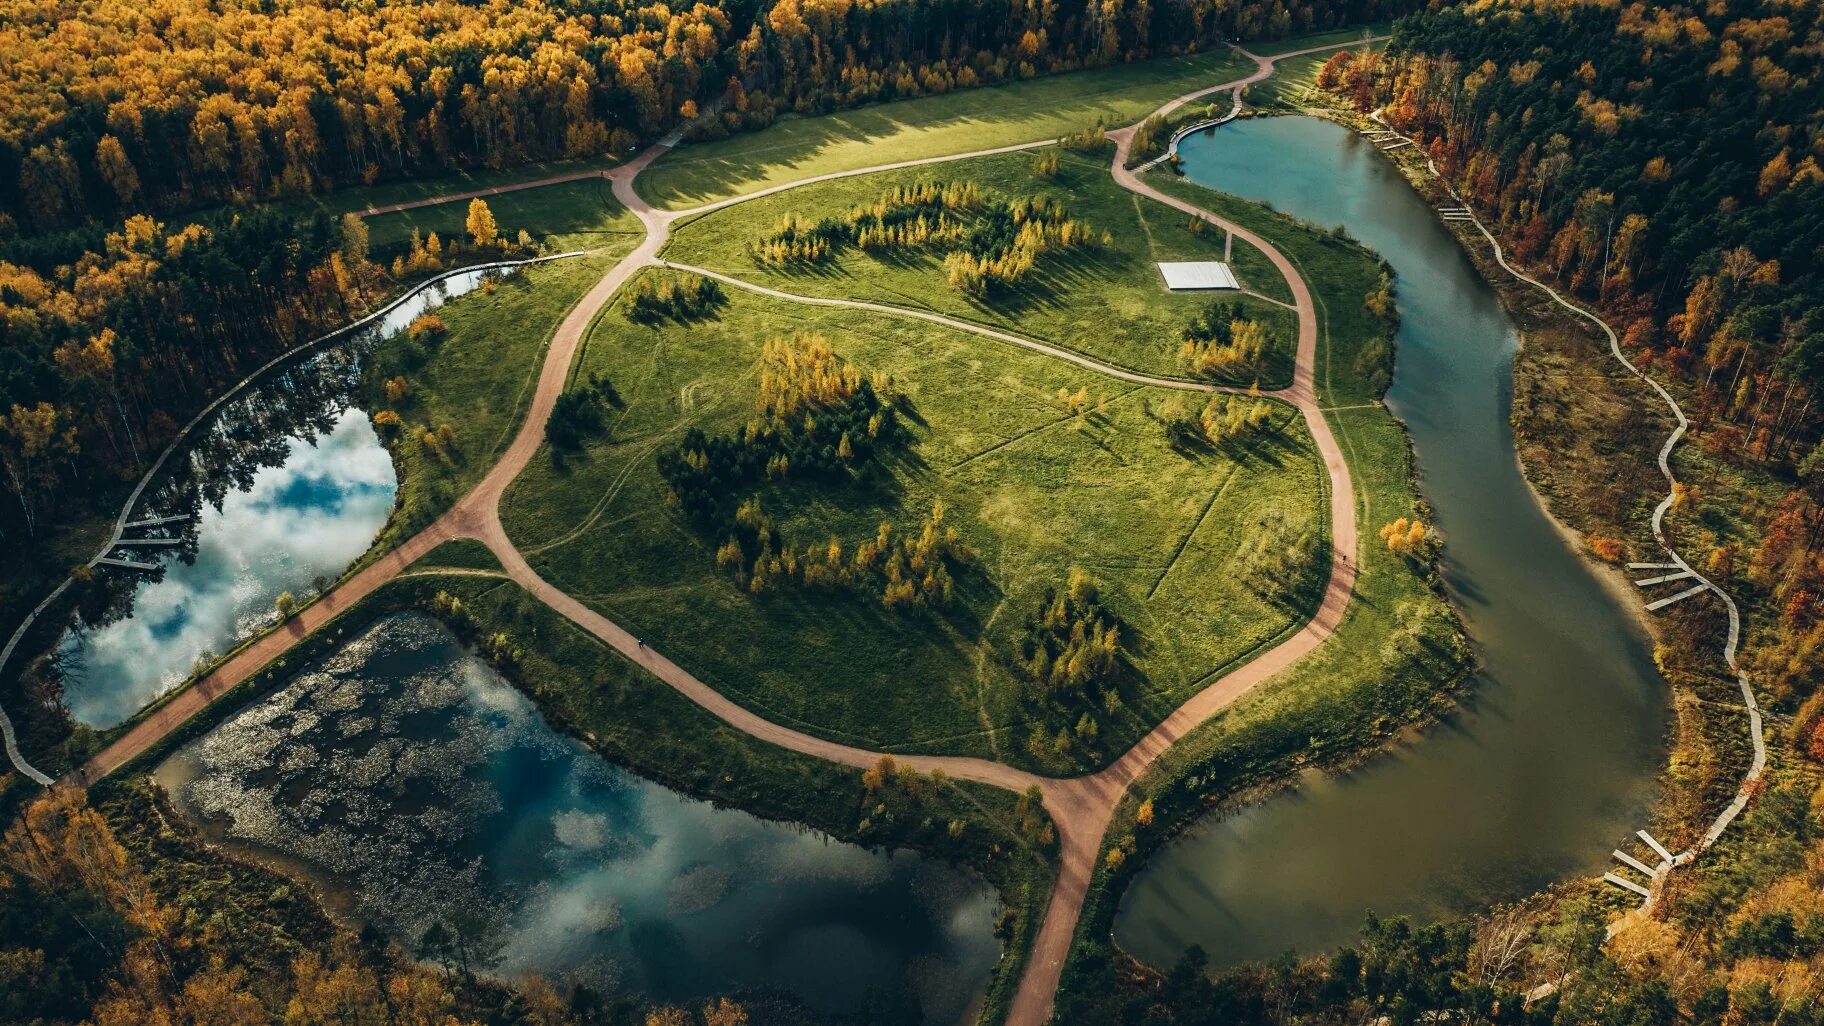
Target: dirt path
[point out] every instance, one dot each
(1046, 349)
(1081, 807)
(493, 190)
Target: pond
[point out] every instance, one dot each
(1553, 760)
(284, 486)
(418, 789)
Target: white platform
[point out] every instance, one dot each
(1191, 276)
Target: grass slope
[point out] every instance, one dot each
(1306, 42)
(929, 126)
(1107, 303)
(1294, 80)
(478, 380)
(570, 215)
(1033, 488)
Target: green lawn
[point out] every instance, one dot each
(362, 197)
(929, 126)
(572, 215)
(1108, 303)
(457, 554)
(478, 380)
(1033, 488)
(1343, 35)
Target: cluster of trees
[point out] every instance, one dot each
(1072, 642)
(1410, 537)
(992, 245)
(578, 413)
(1222, 340)
(914, 571)
(892, 793)
(1093, 139)
(903, 217)
(1070, 650)
(1005, 244)
(817, 416)
(678, 297)
(130, 107)
(797, 241)
(1222, 419)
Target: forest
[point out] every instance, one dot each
(144, 106)
(1662, 164)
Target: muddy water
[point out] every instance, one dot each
(416, 788)
(1553, 761)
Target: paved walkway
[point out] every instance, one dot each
(1081, 807)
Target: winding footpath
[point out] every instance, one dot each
(1758, 763)
(1081, 807)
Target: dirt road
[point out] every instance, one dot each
(1081, 807)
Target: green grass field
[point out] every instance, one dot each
(1035, 489)
(1108, 303)
(1306, 42)
(929, 126)
(571, 215)
(478, 380)
(362, 197)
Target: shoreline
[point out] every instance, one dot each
(1612, 577)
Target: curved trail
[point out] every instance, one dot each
(1081, 807)
(1758, 763)
(1043, 348)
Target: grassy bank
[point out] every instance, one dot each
(1395, 659)
(477, 378)
(1105, 301)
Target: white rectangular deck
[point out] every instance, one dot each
(1197, 275)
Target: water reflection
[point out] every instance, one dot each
(1555, 758)
(279, 491)
(305, 518)
(406, 776)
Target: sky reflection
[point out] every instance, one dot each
(308, 517)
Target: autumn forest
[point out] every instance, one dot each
(806, 544)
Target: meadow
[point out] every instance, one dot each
(477, 379)
(569, 215)
(1035, 487)
(1106, 301)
